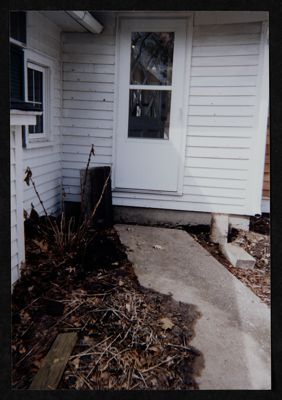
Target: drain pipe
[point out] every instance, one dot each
(85, 19)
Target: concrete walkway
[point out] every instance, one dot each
(234, 331)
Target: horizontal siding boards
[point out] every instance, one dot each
(226, 30)
(178, 202)
(91, 114)
(91, 48)
(103, 87)
(220, 61)
(87, 123)
(45, 162)
(216, 173)
(88, 68)
(229, 50)
(229, 70)
(89, 58)
(219, 142)
(88, 101)
(88, 77)
(82, 132)
(226, 121)
(81, 159)
(221, 112)
(220, 131)
(223, 91)
(220, 116)
(88, 105)
(213, 39)
(222, 101)
(86, 38)
(226, 81)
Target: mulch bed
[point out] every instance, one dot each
(256, 242)
(128, 337)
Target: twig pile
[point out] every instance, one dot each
(128, 337)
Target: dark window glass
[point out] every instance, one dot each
(35, 95)
(18, 25)
(149, 114)
(16, 73)
(151, 58)
(38, 128)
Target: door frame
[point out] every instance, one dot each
(188, 16)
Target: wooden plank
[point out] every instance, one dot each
(49, 375)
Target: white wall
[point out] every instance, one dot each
(221, 116)
(17, 234)
(44, 158)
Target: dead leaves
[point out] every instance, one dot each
(166, 323)
(43, 245)
(123, 328)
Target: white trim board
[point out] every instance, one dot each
(260, 128)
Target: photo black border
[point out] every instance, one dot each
(275, 44)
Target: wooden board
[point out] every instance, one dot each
(49, 375)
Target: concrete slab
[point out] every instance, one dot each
(234, 330)
(238, 257)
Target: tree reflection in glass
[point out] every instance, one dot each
(151, 58)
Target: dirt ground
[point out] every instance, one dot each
(256, 242)
(128, 337)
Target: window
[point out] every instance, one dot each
(16, 75)
(18, 26)
(35, 95)
(150, 84)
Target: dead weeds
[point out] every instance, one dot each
(128, 337)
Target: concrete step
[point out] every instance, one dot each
(238, 257)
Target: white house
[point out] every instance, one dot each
(176, 102)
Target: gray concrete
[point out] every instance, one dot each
(171, 218)
(156, 216)
(219, 228)
(233, 332)
(238, 257)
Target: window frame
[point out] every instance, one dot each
(39, 68)
(43, 64)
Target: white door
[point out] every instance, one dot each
(149, 136)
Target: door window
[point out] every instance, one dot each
(150, 84)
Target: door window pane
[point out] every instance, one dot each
(149, 114)
(151, 58)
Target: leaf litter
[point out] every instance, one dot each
(129, 337)
(256, 242)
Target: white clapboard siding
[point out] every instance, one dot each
(88, 77)
(221, 61)
(14, 231)
(221, 116)
(89, 68)
(236, 111)
(88, 102)
(230, 70)
(44, 38)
